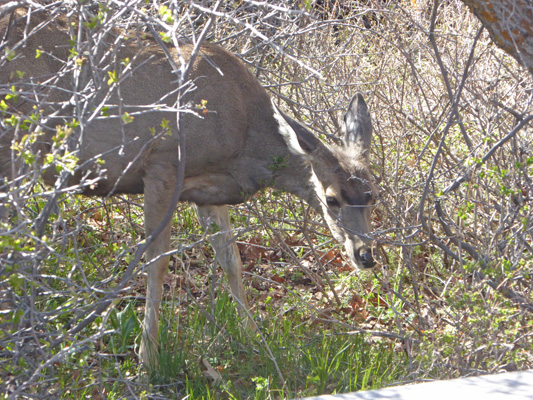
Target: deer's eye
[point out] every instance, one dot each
(370, 198)
(332, 202)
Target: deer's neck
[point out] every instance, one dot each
(296, 176)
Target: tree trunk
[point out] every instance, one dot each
(510, 25)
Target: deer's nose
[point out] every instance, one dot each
(365, 255)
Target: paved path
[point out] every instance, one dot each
(506, 386)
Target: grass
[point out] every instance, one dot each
(309, 344)
(300, 351)
(291, 359)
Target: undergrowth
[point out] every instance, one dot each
(450, 296)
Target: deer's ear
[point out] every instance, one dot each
(358, 126)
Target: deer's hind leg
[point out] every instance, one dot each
(159, 187)
(215, 219)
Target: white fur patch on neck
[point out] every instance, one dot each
(288, 134)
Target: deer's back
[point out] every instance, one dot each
(225, 114)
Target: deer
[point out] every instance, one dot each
(232, 134)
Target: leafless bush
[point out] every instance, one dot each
(453, 158)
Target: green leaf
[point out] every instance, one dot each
(127, 118)
(9, 53)
(166, 14)
(113, 77)
(13, 120)
(165, 37)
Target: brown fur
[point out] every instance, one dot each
(230, 149)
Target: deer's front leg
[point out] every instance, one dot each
(215, 219)
(158, 190)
